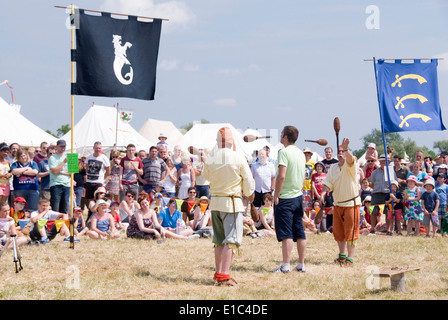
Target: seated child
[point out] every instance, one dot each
(265, 223)
(8, 228)
(102, 225)
(157, 202)
(364, 226)
(39, 233)
(18, 210)
(115, 213)
(80, 223)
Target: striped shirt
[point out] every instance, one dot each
(152, 170)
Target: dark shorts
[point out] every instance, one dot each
(258, 198)
(90, 189)
(379, 198)
(51, 234)
(288, 215)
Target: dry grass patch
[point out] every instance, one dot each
(183, 269)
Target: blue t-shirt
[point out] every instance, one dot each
(24, 182)
(442, 191)
(430, 199)
(45, 181)
(420, 177)
(169, 221)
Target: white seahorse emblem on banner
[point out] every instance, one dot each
(121, 59)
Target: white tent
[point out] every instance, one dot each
(16, 128)
(101, 124)
(203, 135)
(152, 128)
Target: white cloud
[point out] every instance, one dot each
(178, 13)
(238, 71)
(229, 71)
(191, 67)
(168, 65)
(225, 102)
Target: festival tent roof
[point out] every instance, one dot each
(17, 128)
(152, 128)
(101, 124)
(203, 136)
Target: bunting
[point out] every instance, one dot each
(266, 211)
(204, 207)
(179, 203)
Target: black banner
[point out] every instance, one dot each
(115, 57)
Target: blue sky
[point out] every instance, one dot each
(254, 63)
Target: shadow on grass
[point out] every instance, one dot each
(173, 279)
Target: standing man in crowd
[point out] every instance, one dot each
(380, 194)
(153, 167)
(44, 175)
(98, 169)
(342, 180)
(230, 178)
(42, 153)
(401, 172)
(288, 200)
(59, 179)
(329, 160)
(132, 168)
(263, 172)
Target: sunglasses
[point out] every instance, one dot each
(129, 196)
(370, 160)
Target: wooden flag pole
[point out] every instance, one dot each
(70, 214)
(404, 59)
(114, 13)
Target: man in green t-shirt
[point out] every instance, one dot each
(288, 202)
(59, 179)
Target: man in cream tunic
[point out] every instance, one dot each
(343, 181)
(230, 178)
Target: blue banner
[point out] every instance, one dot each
(408, 96)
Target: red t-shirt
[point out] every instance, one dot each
(129, 174)
(318, 180)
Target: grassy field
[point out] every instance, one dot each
(183, 269)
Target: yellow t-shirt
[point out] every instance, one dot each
(309, 169)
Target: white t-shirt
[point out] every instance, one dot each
(96, 167)
(50, 215)
(5, 225)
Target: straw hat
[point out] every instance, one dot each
(204, 198)
(368, 198)
(100, 189)
(429, 181)
(100, 203)
(307, 150)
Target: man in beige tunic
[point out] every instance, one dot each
(230, 179)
